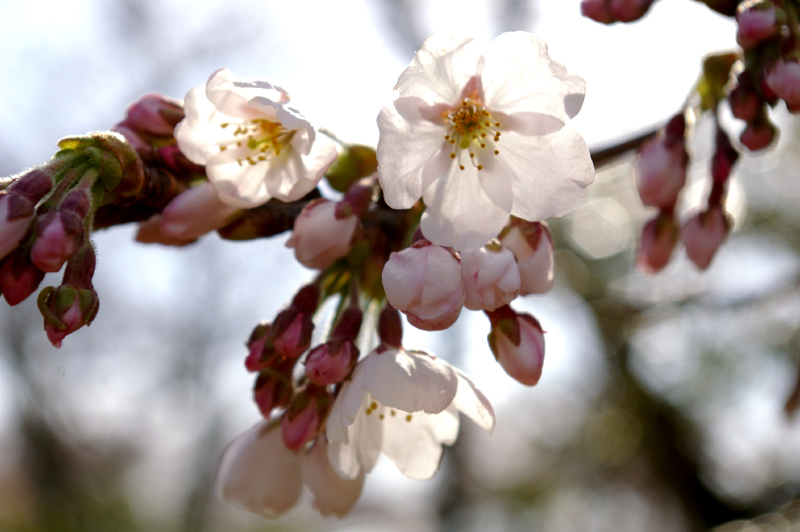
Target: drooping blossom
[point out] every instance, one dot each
(253, 146)
(490, 276)
(480, 133)
(404, 404)
(784, 79)
(661, 172)
(259, 474)
(424, 282)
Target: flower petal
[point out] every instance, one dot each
(520, 76)
(363, 446)
(412, 152)
(414, 441)
(471, 402)
(410, 381)
(459, 212)
(440, 69)
(332, 494)
(557, 167)
(232, 97)
(259, 474)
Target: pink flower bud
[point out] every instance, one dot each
(19, 278)
(331, 362)
(149, 232)
(424, 282)
(659, 237)
(291, 332)
(758, 135)
(532, 245)
(629, 10)
(490, 276)
(517, 341)
(661, 172)
(321, 234)
(702, 235)
(66, 309)
(59, 236)
(725, 157)
(598, 10)
(745, 103)
(757, 22)
(305, 416)
(784, 79)
(12, 229)
(195, 212)
(272, 390)
(154, 114)
(261, 354)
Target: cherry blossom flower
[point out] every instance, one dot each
(490, 276)
(403, 404)
(480, 133)
(259, 474)
(253, 147)
(322, 234)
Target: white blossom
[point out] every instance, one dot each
(481, 133)
(253, 146)
(404, 404)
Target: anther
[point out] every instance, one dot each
(480, 167)
(496, 152)
(452, 155)
(483, 145)
(408, 417)
(461, 166)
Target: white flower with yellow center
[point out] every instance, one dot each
(253, 147)
(480, 134)
(404, 404)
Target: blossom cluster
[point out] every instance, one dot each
(475, 152)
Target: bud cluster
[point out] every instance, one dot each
(660, 177)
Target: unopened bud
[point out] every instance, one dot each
(272, 390)
(629, 10)
(154, 114)
(322, 235)
(725, 156)
(305, 416)
(424, 282)
(261, 354)
(703, 234)
(195, 212)
(784, 79)
(291, 332)
(759, 135)
(659, 237)
(351, 165)
(390, 327)
(532, 246)
(19, 278)
(66, 309)
(758, 20)
(517, 341)
(491, 277)
(661, 172)
(332, 361)
(598, 10)
(59, 234)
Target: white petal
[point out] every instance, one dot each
(302, 173)
(551, 172)
(199, 135)
(471, 402)
(332, 494)
(410, 381)
(520, 76)
(415, 444)
(241, 186)
(412, 152)
(459, 213)
(404, 276)
(259, 474)
(440, 69)
(233, 97)
(363, 447)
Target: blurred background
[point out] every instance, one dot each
(666, 402)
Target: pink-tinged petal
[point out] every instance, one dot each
(412, 152)
(557, 167)
(301, 173)
(332, 494)
(149, 232)
(440, 69)
(471, 402)
(529, 123)
(409, 381)
(459, 212)
(404, 278)
(413, 441)
(258, 474)
(193, 213)
(519, 76)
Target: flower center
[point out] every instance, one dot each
(472, 128)
(263, 138)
